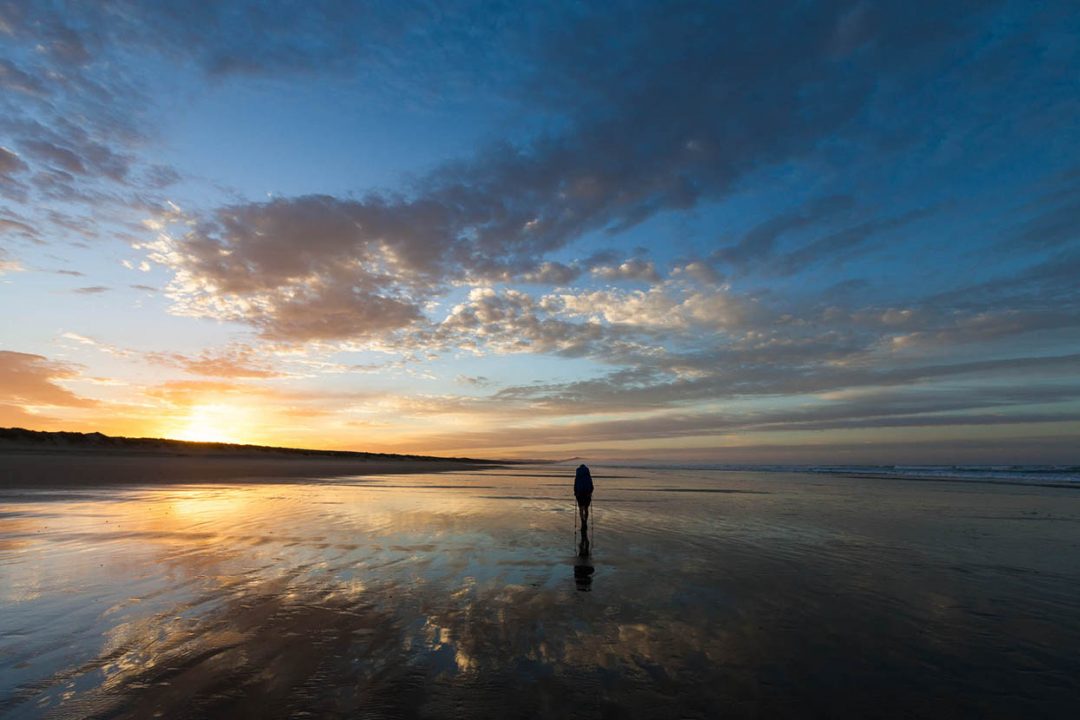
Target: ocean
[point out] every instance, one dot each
(1048, 475)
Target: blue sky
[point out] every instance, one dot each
(772, 232)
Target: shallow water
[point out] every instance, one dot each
(706, 594)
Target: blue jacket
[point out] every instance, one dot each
(583, 481)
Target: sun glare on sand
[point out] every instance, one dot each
(214, 423)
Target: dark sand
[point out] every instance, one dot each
(460, 595)
(65, 468)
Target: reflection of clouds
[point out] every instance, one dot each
(501, 627)
(15, 532)
(16, 535)
(454, 600)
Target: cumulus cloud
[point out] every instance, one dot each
(311, 268)
(511, 322)
(633, 269)
(507, 207)
(551, 273)
(683, 109)
(661, 307)
(698, 270)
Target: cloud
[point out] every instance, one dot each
(842, 245)
(240, 39)
(551, 273)
(13, 78)
(60, 157)
(91, 290)
(760, 243)
(31, 380)
(724, 428)
(187, 393)
(699, 270)
(161, 176)
(17, 227)
(785, 244)
(474, 380)
(633, 269)
(868, 409)
(11, 163)
(74, 109)
(233, 362)
(696, 119)
(1040, 297)
(77, 154)
(311, 268)
(1055, 218)
(509, 322)
(104, 347)
(663, 307)
(8, 264)
(687, 113)
(679, 380)
(336, 313)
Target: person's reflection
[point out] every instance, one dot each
(583, 569)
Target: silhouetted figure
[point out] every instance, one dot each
(583, 488)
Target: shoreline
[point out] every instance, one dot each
(39, 468)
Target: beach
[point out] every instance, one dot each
(462, 594)
(36, 468)
(317, 311)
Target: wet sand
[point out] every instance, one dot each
(65, 468)
(706, 594)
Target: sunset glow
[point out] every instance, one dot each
(850, 236)
(465, 359)
(214, 423)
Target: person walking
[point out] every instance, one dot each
(583, 489)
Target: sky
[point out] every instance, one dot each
(768, 232)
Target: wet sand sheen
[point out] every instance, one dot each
(731, 594)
